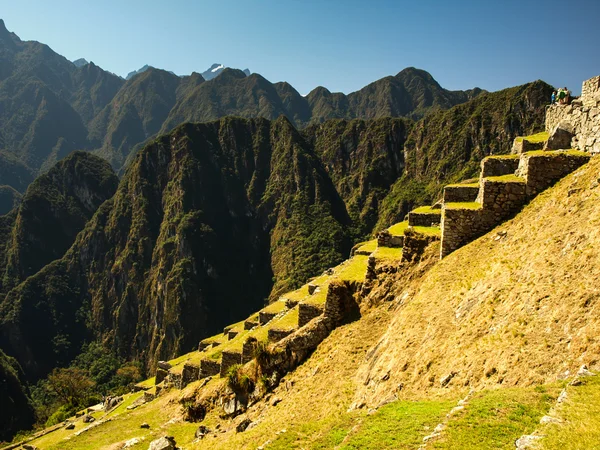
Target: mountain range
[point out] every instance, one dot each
(50, 106)
(207, 221)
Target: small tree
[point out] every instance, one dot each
(72, 386)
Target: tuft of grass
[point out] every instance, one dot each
(496, 418)
(581, 419)
(463, 205)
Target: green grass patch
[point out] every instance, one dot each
(534, 138)
(555, 153)
(183, 358)
(147, 384)
(393, 253)
(426, 210)
(581, 419)
(318, 298)
(399, 425)
(471, 185)
(510, 178)
(368, 247)
(398, 228)
(232, 345)
(496, 418)
(463, 205)
(277, 306)
(287, 322)
(353, 269)
(428, 231)
(503, 157)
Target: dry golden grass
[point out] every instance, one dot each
(505, 310)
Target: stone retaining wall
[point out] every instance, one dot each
(496, 167)
(423, 219)
(459, 227)
(415, 244)
(161, 374)
(265, 317)
(189, 374)
(385, 239)
(228, 359)
(501, 199)
(174, 379)
(209, 368)
(523, 145)
(583, 114)
(249, 324)
(542, 171)
(458, 194)
(248, 350)
(307, 312)
(590, 91)
(275, 334)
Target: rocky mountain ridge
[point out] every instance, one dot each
(51, 106)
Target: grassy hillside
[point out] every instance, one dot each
(489, 336)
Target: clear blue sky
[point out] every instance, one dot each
(342, 45)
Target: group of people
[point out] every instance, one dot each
(562, 96)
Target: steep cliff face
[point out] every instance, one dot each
(55, 208)
(16, 412)
(363, 159)
(205, 219)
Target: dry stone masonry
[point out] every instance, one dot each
(583, 115)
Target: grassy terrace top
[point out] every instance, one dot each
(426, 210)
(393, 253)
(503, 157)
(555, 153)
(398, 228)
(428, 231)
(468, 185)
(463, 205)
(301, 293)
(276, 307)
(534, 138)
(367, 247)
(510, 178)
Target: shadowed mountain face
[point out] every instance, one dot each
(50, 107)
(17, 412)
(54, 209)
(204, 220)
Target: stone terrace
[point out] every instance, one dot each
(506, 184)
